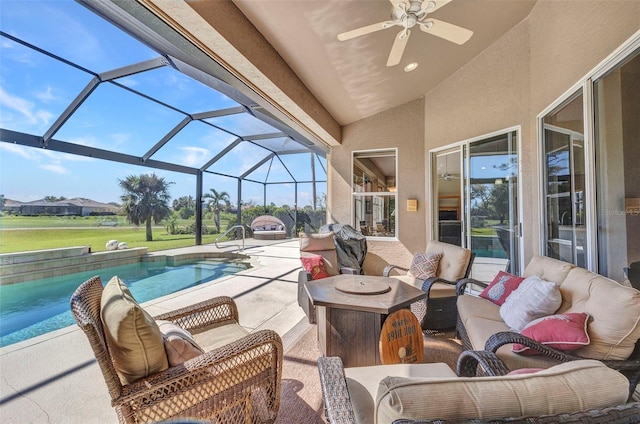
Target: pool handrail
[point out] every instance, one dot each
(228, 231)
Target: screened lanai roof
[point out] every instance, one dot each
(143, 97)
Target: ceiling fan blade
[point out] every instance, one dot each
(364, 30)
(445, 30)
(435, 5)
(398, 47)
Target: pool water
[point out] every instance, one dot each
(37, 307)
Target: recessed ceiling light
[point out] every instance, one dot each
(410, 67)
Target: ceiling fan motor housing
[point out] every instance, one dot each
(409, 17)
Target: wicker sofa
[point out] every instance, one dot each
(613, 326)
(267, 227)
(582, 391)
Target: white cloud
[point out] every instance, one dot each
(16, 149)
(25, 108)
(128, 82)
(194, 156)
(59, 156)
(55, 168)
(84, 141)
(46, 95)
(39, 155)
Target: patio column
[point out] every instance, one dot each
(313, 179)
(239, 208)
(264, 197)
(199, 201)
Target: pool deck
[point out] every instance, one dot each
(54, 378)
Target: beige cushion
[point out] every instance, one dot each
(480, 329)
(569, 387)
(323, 245)
(548, 269)
(454, 262)
(437, 289)
(313, 242)
(614, 308)
(179, 344)
(220, 336)
(362, 383)
(470, 307)
(134, 339)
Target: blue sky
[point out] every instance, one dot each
(35, 89)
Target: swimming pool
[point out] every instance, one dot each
(37, 307)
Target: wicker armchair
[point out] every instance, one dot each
(438, 311)
(340, 410)
(238, 382)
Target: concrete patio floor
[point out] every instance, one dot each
(54, 378)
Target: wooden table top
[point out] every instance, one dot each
(323, 292)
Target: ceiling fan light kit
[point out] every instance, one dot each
(407, 14)
(411, 67)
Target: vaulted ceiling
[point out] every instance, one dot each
(350, 78)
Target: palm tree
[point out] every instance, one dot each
(219, 200)
(146, 197)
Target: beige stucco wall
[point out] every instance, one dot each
(401, 127)
(511, 82)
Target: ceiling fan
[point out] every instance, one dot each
(445, 175)
(407, 14)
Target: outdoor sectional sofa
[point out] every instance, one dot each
(613, 326)
(481, 391)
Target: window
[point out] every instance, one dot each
(617, 150)
(374, 192)
(564, 182)
(590, 186)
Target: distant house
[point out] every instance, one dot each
(70, 207)
(11, 206)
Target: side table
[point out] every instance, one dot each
(351, 310)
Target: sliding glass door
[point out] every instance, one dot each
(617, 152)
(492, 169)
(476, 184)
(590, 149)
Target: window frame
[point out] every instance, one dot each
(358, 194)
(585, 85)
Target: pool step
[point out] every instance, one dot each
(27, 266)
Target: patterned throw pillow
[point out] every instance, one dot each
(563, 332)
(314, 265)
(424, 266)
(501, 287)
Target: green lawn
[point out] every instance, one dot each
(485, 231)
(11, 221)
(19, 234)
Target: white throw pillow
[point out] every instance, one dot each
(534, 298)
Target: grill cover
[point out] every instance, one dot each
(351, 245)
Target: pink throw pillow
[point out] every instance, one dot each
(563, 332)
(314, 265)
(424, 266)
(522, 371)
(501, 287)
